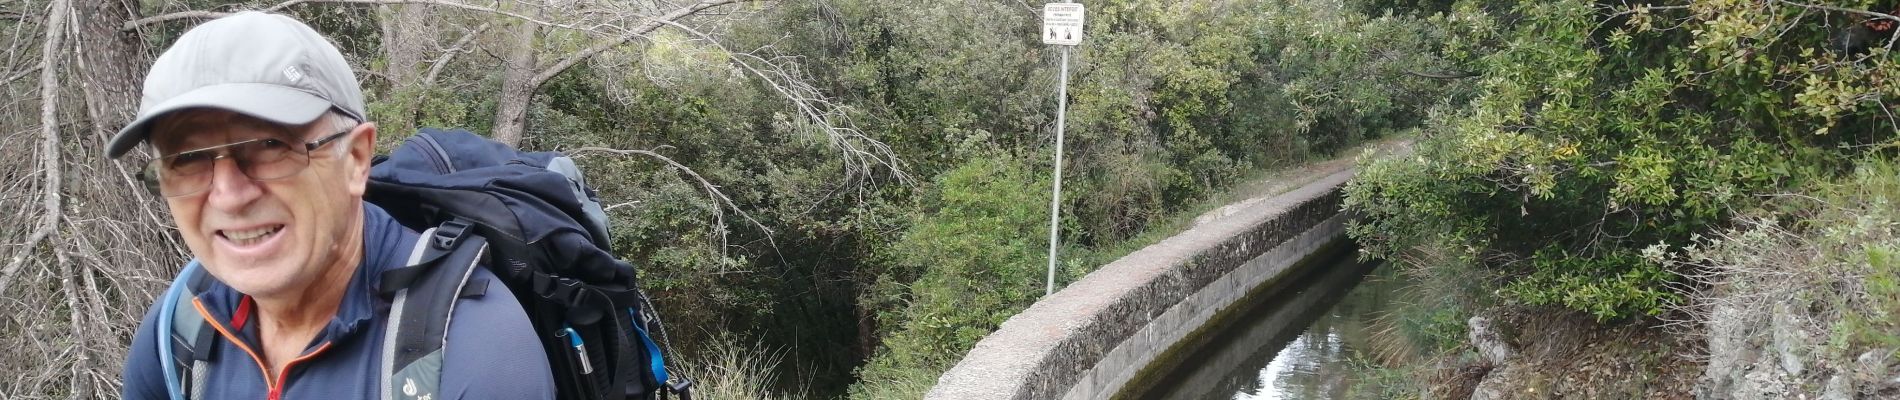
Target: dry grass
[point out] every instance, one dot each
(726, 369)
(1816, 278)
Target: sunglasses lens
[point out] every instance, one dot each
(190, 172)
(269, 159)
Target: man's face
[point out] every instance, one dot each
(269, 238)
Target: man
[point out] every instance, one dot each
(264, 164)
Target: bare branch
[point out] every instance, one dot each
(74, 318)
(435, 68)
(49, 140)
(708, 186)
(17, 75)
(815, 109)
(1874, 14)
(638, 31)
(720, 201)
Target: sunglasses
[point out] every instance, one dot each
(189, 172)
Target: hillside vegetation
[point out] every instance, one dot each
(838, 198)
(825, 198)
(1684, 167)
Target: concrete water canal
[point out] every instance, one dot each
(1094, 337)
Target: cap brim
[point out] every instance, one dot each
(272, 103)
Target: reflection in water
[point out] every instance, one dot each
(1296, 343)
(1300, 370)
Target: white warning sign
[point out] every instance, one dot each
(1062, 24)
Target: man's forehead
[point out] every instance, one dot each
(201, 125)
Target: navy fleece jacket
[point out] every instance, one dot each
(491, 352)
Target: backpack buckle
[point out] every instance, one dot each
(449, 233)
(681, 387)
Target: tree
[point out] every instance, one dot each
(1624, 132)
(93, 246)
(87, 242)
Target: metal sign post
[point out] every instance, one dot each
(1061, 26)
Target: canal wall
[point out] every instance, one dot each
(1091, 338)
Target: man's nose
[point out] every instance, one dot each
(230, 188)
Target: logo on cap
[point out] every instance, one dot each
(293, 74)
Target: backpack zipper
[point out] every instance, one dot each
(436, 154)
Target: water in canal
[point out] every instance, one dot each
(1294, 341)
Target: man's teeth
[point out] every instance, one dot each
(245, 236)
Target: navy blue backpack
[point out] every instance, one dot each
(531, 219)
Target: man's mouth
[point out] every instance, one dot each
(250, 236)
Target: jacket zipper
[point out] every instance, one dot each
(275, 386)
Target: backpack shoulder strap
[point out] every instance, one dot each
(184, 344)
(437, 272)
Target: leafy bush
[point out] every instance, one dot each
(1599, 129)
(1855, 230)
(1606, 287)
(960, 270)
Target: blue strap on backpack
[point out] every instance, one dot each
(183, 338)
(167, 308)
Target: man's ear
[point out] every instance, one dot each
(362, 150)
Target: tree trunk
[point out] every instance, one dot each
(112, 63)
(408, 32)
(517, 84)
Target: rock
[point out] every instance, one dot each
(1790, 340)
(1873, 364)
(1730, 329)
(1762, 384)
(1491, 346)
(1753, 354)
(1838, 388)
(1487, 393)
(1501, 384)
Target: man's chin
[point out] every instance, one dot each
(257, 279)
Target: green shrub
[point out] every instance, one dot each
(1597, 130)
(1857, 226)
(961, 269)
(1607, 287)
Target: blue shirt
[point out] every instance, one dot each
(491, 351)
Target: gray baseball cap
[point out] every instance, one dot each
(263, 65)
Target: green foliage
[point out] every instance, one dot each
(1607, 287)
(1875, 319)
(1437, 326)
(968, 263)
(1824, 259)
(398, 113)
(1857, 228)
(1170, 102)
(1597, 130)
